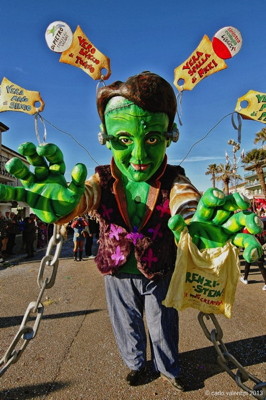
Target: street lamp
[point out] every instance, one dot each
(236, 147)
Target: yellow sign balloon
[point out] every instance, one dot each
(201, 63)
(15, 98)
(252, 106)
(83, 54)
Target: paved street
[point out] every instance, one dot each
(74, 355)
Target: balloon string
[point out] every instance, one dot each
(200, 140)
(73, 138)
(101, 82)
(179, 98)
(37, 118)
(237, 126)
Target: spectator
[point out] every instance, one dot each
(42, 236)
(88, 240)
(3, 234)
(78, 226)
(12, 231)
(91, 245)
(94, 228)
(260, 263)
(34, 218)
(50, 230)
(29, 235)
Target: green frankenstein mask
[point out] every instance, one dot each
(138, 141)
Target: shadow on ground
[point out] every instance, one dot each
(6, 322)
(201, 364)
(33, 391)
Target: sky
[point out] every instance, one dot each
(137, 36)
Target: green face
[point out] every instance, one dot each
(138, 145)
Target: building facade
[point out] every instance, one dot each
(252, 183)
(7, 179)
(251, 188)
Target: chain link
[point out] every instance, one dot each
(224, 358)
(35, 309)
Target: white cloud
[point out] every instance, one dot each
(196, 159)
(19, 69)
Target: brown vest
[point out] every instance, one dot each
(153, 242)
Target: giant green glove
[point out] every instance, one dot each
(215, 222)
(46, 190)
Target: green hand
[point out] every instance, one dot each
(214, 223)
(46, 190)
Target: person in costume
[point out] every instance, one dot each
(142, 205)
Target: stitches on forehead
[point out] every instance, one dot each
(117, 103)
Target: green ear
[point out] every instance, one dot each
(172, 136)
(103, 137)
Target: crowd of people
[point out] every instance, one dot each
(34, 234)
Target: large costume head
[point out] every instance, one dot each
(138, 123)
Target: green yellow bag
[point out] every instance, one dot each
(204, 279)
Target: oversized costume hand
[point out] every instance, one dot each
(46, 190)
(214, 223)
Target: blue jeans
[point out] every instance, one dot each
(128, 297)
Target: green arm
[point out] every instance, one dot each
(46, 190)
(220, 218)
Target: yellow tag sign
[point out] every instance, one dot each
(15, 98)
(201, 63)
(83, 54)
(252, 106)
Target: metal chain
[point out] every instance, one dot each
(224, 357)
(35, 309)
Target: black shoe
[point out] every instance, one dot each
(175, 382)
(135, 376)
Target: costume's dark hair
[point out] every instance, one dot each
(147, 90)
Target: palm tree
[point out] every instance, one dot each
(212, 170)
(227, 174)
(256, 159)
(260, 136)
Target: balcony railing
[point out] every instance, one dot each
(252, 184)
